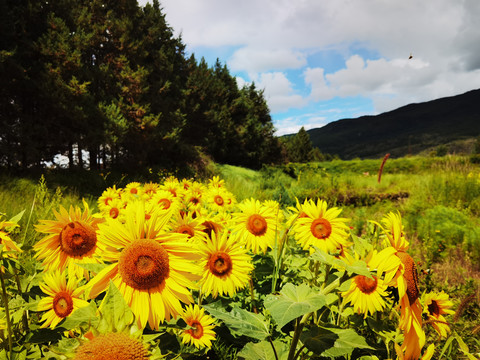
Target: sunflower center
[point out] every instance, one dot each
(433, 308)
(220, 264)
(114, 212)
(410, 275)
(218, 200)
(321, 228)
(210, 227)
(195, 200)
(165, 203)
(112, 346)
(62, 304)
(144, 264)
(365, 284)
(197, 329)
(185, 229)
(257, 225)
(77, 239)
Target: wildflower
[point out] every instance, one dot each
(63, 298)
(321, 227)
(71, 239)
(119, 346)
(152, 269)
(200, 334)
(226, 266)
(435, 306)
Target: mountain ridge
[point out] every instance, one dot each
(409, 129)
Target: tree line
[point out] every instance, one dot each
(108, 79)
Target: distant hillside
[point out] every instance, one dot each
(406, 130)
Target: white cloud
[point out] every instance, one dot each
(255, 60)
(374, 37)
(279, 92)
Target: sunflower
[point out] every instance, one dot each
(63, 298)
(216, 182)
(152, 269)
(226, 266)
(150, 189)
(410, 308)
(316, 225)
(172, 185)
(114, 209)
(394, 231)
(200, 334)
(5, 238)
(107, 196)
(219, 199)
(71, 239)
(435, 306)
(256, 226)
(133, 190)
(367, 293)
(184, 223)
(119, 346)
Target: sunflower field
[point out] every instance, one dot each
(185, 269)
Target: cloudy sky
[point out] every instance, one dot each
(324, 60)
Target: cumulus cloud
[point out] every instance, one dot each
(254, 60)
(374, 38)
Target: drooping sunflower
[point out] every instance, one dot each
(410, 308)
(63, 297)
(71, 239)
(226, 265)
(317, 225)
(256, 225)
(119, 346)
(153, 270)
(394, 231)
(436, 305)
(200, 334)
(367, 294)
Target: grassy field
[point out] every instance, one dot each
(437, 197)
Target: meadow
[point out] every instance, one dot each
(290, 306)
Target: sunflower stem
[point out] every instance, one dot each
(7, 312)
(252, 296)
(273, 347)
(296, 335)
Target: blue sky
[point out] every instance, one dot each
(323, 60)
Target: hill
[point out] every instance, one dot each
(407, 130)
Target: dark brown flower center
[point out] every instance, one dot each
(144, 264)
(62, 304)
(321, 228)
(433, 308)
(220, 264)
(410, 275)
(197, 329)
(365, 284)
(257, 225)
(218, 200)
(186, 229)
(78, 239)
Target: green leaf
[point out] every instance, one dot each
(359, 267)
(16, 218)
(115, 311)
(93, 268)
(264, 351)
(293, 302)
(81, 317)
(241, 322)
(333, 342)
